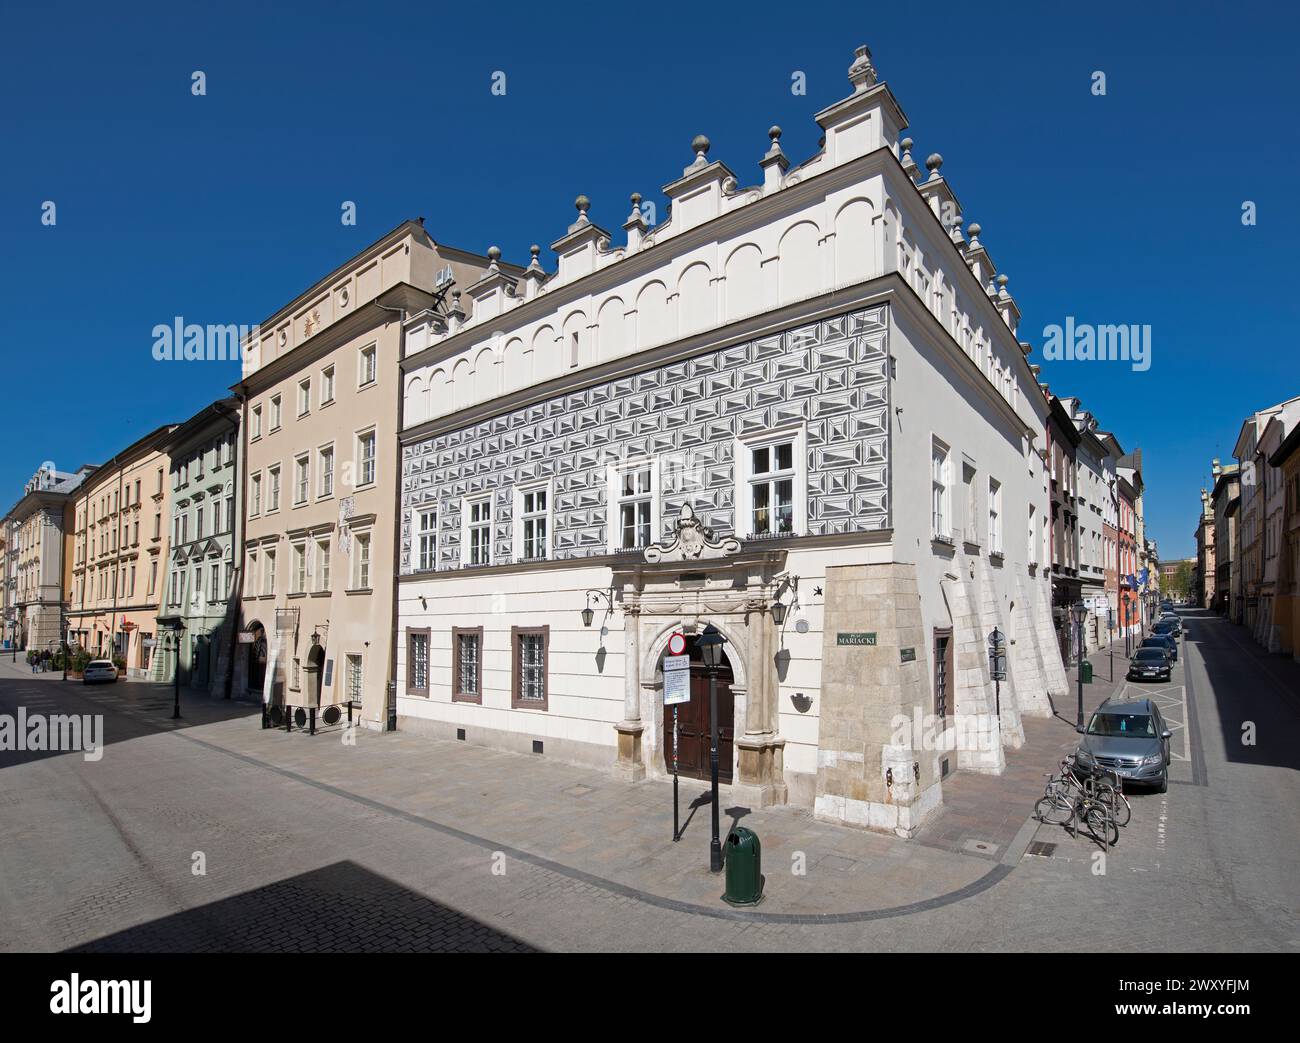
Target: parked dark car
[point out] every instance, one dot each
(1129, 738)
(1174, 629)
(1162, 641)
(1150, 664)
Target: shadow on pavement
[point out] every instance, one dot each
(342, 907)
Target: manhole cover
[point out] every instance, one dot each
(1041, 848)
(980, 847)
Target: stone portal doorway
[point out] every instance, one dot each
(256, 669)
(693, 722)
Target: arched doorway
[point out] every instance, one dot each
(314, 673)
(256, 668)
(693, 722)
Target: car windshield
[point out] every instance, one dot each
(1154, 642)
(1123, 725)
(1154, 654)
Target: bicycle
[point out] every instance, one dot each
(1071, 797)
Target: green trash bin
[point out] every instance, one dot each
(1087, 672)
(744, 856)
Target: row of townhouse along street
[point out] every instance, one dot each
(1247, 565)
(475, 499)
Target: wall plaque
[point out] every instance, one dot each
(856, 638)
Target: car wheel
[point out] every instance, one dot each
(1164, 783)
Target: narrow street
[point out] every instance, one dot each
(399, 842)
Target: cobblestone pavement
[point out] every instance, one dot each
(403, 843)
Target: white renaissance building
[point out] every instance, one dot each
(797, 411)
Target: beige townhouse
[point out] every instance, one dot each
(321, 399)
(119, 554)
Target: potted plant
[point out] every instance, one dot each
(79, 660)
(120, 663)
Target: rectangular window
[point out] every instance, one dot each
(366, 367)
(323, 565)
(636, 506)
(153, 577)
(250, 574)
(299, 582)
(304, 397)
(417, 662)
(198, 522)
(327, 385)
(971, 533)
(771, 488)
(467, 664)
(326, 463)
(273, 489)
(354, 678)
(529, 674)
(215, 578)
(479, 532)
(256, 424)
(275, 413)
(196, 588)
(428, 539)
(533, 515)
(268, 573)
(255, 495)
(361, 561)
(301, 479)
(174, 595)
(995, 516)
(365, 458)
(939, 492)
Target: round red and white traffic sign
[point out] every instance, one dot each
(676, 643)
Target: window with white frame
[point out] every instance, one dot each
(635, 492)
(771, 488)
(322, 564)
(365, 458)
(971, 532)
(273, 488)
(1033, 558)
(366, 366)
(532, 523)
(250, 574)
(298, 584)
(361, 561)
(256, 424)
(327, 385)
(268, 572)
(215, 577)
(301, 478)
(325, 461)
(427, 538)
(477, 535)
(275, 413)
(995, 516)
(940, 493)
(304, 397)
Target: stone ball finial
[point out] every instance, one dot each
(906, 144)
(975, 229)
(774, 132)
(636, 199)
(1003, 280)
(933, 162)
(494, 254)
(583, 204)
(535, 250)
(700, 144)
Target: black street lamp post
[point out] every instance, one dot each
(710, 644)
(1080, 613)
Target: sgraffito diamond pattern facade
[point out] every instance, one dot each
(832, 376)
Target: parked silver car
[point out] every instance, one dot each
(1129, 738)
(99, 670)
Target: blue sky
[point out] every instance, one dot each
(1117, 209)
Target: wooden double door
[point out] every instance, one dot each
(693, 723)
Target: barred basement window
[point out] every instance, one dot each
(417, 662)
(354, 678)
(467, 664)
(529, 674)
